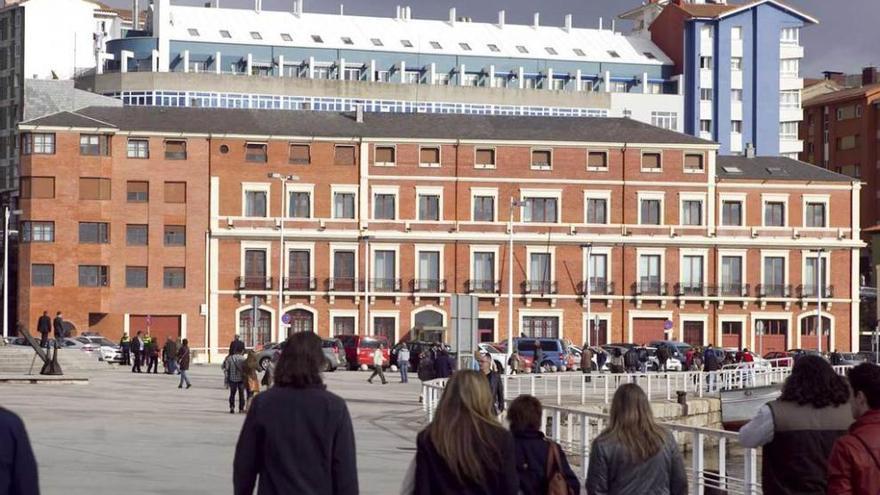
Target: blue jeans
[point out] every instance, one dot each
(404, 368)
(183, 378)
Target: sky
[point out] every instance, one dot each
(846, 39)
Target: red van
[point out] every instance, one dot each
(359, 349)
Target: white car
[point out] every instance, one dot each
(497, 355)
(105, 349)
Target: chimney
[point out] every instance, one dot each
(501, 18)
(341, 9)
(408, 12)
(537, 21)
(298, 7)
(568, 23)
(613, 25)
(258, 5)
(869, 75)
(134, 14)
(359, 114)
(600, 24)
(397, 12)
(452, 15)
(750, 150)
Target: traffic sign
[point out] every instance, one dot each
(286, 319)
(667, 325)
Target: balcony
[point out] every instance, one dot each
(300, 284)
(428, 285)
(650, 288)
(483, 286)
(253, 283)
(691, 289)
(809, 291)
(774, 290)
(541, 287)
(598, 287)
(343, 284)
(385, 284)
(733, 290)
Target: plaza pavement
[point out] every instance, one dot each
(140, 434)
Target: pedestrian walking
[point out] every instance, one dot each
(403, 363)
(643, 360)
(662, 357)
(378, 362)
(183, 358)
(836, 358)
(58, 328)
(125, 346)
(587, 361)
(798, 430)
(18, 467)
(617, 362)
(137, 347)
(601, 358)
(631, 360)
(251, 378)
(233, 369)
(152, 350)
(169, 356)
(539, 357)
(44, 326)
(495, 386)
(634, 454)
(711, 366)
(464, 450)
(854, 464)
(540, 462)
(236, 346)
(443, 365)
(515, 363)
(297, 437)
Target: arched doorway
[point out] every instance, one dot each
(301, 320)
(255, 331)
(810, 334)
(429, 325)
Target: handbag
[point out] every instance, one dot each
(556, 484)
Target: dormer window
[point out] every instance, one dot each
(193, 32)
(579, 52)
(464, 46)
(522, 49)
(436, 45)
(493, 47)
(286, 37)
(376, 42)
(649, 56)
(406, 43)
(550, 50)
(256, 35)
(317, 39)
(347, 41)
(613, 54)
(225, 34)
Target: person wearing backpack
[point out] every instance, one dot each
(643, 360)
(631, 360)
(233, 368)
(540, 463)
(662, 357)
(711, 365)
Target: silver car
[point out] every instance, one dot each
(106, 350)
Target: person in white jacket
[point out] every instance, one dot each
(378, 361)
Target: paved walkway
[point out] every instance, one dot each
(140, 434)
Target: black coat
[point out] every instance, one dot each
(44, 325)
(236, 347)
(58, 326)
(18, 468)
(532, 450)
(443, 366)
(433, 476)
(497, 390)
(296, 440)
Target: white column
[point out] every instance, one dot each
(280, 65)
(311, 67)
(124, 55)
(249, 64)
(520, 77)
(645, 82)
(155, 60)
(402, 72)
(218, 63)
(607, 81)
(340, 69)
(432, 73)
(492, 76)
(186, 61)
(372, 75)
(578, 83)
(461, 74)
(549, 79)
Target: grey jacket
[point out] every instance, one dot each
(612, 473)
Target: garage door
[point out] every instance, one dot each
(693, 333)
(809, 333)
(160, 326)
(647, 329)
(731, 334)
(775, 336)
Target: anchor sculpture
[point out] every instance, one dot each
(50, 366)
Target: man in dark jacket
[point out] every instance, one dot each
(137, 349)
(18, 468)
(854, 464)
(236, 346)
(539, 356)
(631, 360)
(169, 356)
(58, 326)
(711, 365)
(44, 326)
(443, 365)
(183, 363)
(495, 385)
(533, 450)
(662, 356)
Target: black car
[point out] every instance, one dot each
(416, 348)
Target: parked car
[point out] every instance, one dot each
(779, 359)
(852, 358)
(265, 353)
(107, 350)
(677, 350)
(672, 364)
(359, 350)
(554, 351)
(416, 348)
(335, 354)
(499, 357)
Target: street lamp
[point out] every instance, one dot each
(589, 247)
(7, 213)
(283, 179)
(513, 204)
(819, 280)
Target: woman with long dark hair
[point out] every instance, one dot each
(798, 430)
(297, 437)
(465, 450)
(634, 454)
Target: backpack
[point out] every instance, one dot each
(643, 355)
(556, 484)
(630, 358)
(711, 362)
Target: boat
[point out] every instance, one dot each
(739, 406)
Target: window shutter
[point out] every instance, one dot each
(175, 192)
(384, 154)
(693, 162)
(38, 187)
(138, 187)
(429, 155)
(486, 157)
(103, 188)
(299, 154)
(344, 155)
(597, 159)
(541, 157)
(651, 160)
(89, 188)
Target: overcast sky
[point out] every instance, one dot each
(846, 38)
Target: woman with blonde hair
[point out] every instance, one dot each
(251, 377)
(465, 450)
(634, 454)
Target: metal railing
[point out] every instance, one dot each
(598, 287)
(253, 283)
(734, 290)
(650, 288)
(809, 290)
(483, 286)
(428, 285)
(300, 283)
(385, 284)
(343, 284)
(690, 289)
(539, 287)
(774, 290)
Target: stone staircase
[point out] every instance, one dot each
(21, 360)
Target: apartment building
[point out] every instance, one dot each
(740, 63)
(368, 223)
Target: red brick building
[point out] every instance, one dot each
(391, 215)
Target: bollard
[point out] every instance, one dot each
(682, 399)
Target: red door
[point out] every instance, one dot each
(647, 329)
(809, 333)
(159, 326)
(775, 336)
(599, 336)
(731, 334)
(693, 333)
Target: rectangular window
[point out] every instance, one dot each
(810, 282)
(540, 210)
(429, 207)
(706, 62)
(731, 275)
(343, 155)
(597, 210)
(94, 188)
(485, 158)
(136, 277)
(93, 276)
(846, 142)
(38, 143)
(774, 214)
(541, 159)
(175, 192)
(736, 33)
(175, 149)
(651, 161)
(692, 274)
(175, 235)
(94, 233)
(649, 273)
(790, 67)
(736, 126)
(384, 206)
(300, 154)
(138, 148)
(706, 94)
(736, 95)
(597, 160)
(484, 272)
(429, 271)
(693, 163)
(815, 214)
(300, 204)
(540, 272)
(385, 155)
(429, 157)
(484, 208)
(255, 268)
(343, 325)
(650, 211)
(705, 125)
(774, 276)
(691, 212)
(731, 213)
(174, 278)
(42, 275)
(736, 63)
(343, 205)
(599, 273)
(255, 203)
(32, 231)
(137, 191)
(256, 152)
(136, 235)
(385, 270)
(94, 145)
(299, 269)
(343, 270)
(790, 35)
(790, 98)
(665, 120)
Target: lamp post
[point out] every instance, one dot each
(7, 213)
(819, 286)
(366, 240)
(283, 180)
(589, 247)
(513, 204)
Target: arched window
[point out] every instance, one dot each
(301, 320)
(251, 334)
